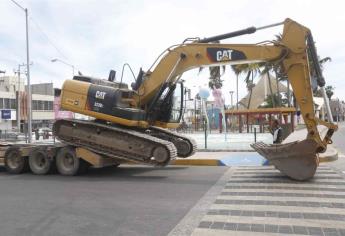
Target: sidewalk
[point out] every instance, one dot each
(246, 157)
(261, 201)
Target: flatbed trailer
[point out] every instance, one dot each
(46, 158)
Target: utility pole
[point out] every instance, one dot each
(18, 72)
(18, 97)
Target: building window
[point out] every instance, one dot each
(6, 103)
(1, 103)
(13, 104)
(39, 105)
(46, 108)
(34, 105)
(50, 105)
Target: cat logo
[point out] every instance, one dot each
(100, 94)
(215, 54)
(224, 55)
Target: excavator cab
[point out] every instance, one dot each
(169, 105)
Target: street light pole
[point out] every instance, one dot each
(63, 62)
(28, 78)
(28, 72)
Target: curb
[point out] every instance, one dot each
(331, 154)
(216, 162)
(331, 158)
(226, 150)
(197, 162)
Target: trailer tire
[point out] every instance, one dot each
(15, 163)
(39, 161)
(67, 162)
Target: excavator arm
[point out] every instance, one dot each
(298, 160)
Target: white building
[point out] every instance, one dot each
(42, 104)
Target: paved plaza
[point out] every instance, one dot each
(261, 201)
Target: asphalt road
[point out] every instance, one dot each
(129, 200)
(339, 138)
(339, 143)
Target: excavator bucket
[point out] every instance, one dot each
(298, 160)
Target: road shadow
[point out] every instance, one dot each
(121, 173)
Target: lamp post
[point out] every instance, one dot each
(63, 62)
(28, 72)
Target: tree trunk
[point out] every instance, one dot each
(237, 92)
(288, 93)
(270, 87)
(249, 86)
(278, 91)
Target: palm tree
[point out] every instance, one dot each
(237, 73)
(250, 70)
(267, 72)
(214, 79)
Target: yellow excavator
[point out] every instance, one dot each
(130, 124)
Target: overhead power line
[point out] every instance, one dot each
(18, 5)
(42, 31)
(47, 38)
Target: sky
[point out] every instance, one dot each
(96, 36)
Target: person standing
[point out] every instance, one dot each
(277, 132)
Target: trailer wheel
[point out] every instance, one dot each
(15, 163)
(67, 162)
(40, 162)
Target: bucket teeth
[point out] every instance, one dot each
(297, 160)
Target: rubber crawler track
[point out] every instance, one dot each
(171, 136)
(117, 133)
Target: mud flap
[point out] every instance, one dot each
(298, 160)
